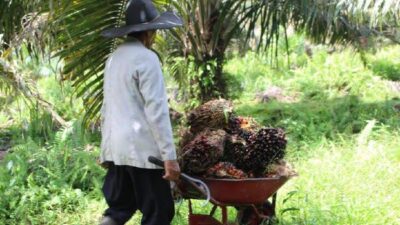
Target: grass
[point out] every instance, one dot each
(344, 137)
(342, 125)
(348, 181)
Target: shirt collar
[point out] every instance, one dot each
(133, 40)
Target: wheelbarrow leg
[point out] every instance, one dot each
(257, 214)
(214, 208)
(273, 204)
(224, 215)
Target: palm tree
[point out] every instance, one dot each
(14, 84)
(22, 26)
(212, 24)
(210, 27)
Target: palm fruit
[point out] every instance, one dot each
(258, 151)
(264, 148)
(225, 170)
(185, 136)
(236, 123)
(235, 148)
(272, 141)
(245, 127)
(211, 115)
(280, 168)
(204, 151)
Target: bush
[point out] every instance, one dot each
(386, 63)
(37, 180)
(386, 69)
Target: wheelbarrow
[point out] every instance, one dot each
(254, 198)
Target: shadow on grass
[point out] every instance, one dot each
(311, 120)
(386, 69)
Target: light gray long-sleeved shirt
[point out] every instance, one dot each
(135, 113)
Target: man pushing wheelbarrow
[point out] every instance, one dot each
(137, 138)
(136, 123)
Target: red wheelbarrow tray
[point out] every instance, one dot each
(236, 192)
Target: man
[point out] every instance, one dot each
(136, 123)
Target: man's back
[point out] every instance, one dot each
(134, 103)
(136, 123)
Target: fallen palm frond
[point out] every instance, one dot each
(13, 83)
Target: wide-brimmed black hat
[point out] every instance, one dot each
(142, 15)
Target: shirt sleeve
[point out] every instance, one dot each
(152, 88)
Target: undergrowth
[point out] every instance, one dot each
(38, 183)
(341, 117)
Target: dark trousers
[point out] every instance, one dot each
(127, 189)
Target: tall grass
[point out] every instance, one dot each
(37, 183)
(343, 131)
(49, 170)
(347, 181)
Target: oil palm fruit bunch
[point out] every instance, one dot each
(235, 147)
(185, 136)
(280, 168)
(248, 159)
(245, 127)
(257, 152)
(264, 148)
(211, 115)
(204, 151)
(225, 170)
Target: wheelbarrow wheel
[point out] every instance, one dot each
(247, 215)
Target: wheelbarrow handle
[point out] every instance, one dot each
(156, 161)
(196, 183)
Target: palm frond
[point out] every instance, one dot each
(11, 13)
(8, 84)
(82, 49)
(21, 20)
(22, 29)
(333, 22)
(210, 27)
(14, 83)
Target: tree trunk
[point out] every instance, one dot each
(212, 83)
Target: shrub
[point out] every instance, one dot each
(37, 180)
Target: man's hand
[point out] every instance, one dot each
(172, 170)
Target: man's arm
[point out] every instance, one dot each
(152, 88)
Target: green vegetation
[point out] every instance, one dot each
(342, 120)
(340, 109)
(344, 136)
(211, 29)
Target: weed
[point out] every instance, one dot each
(40, 182)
